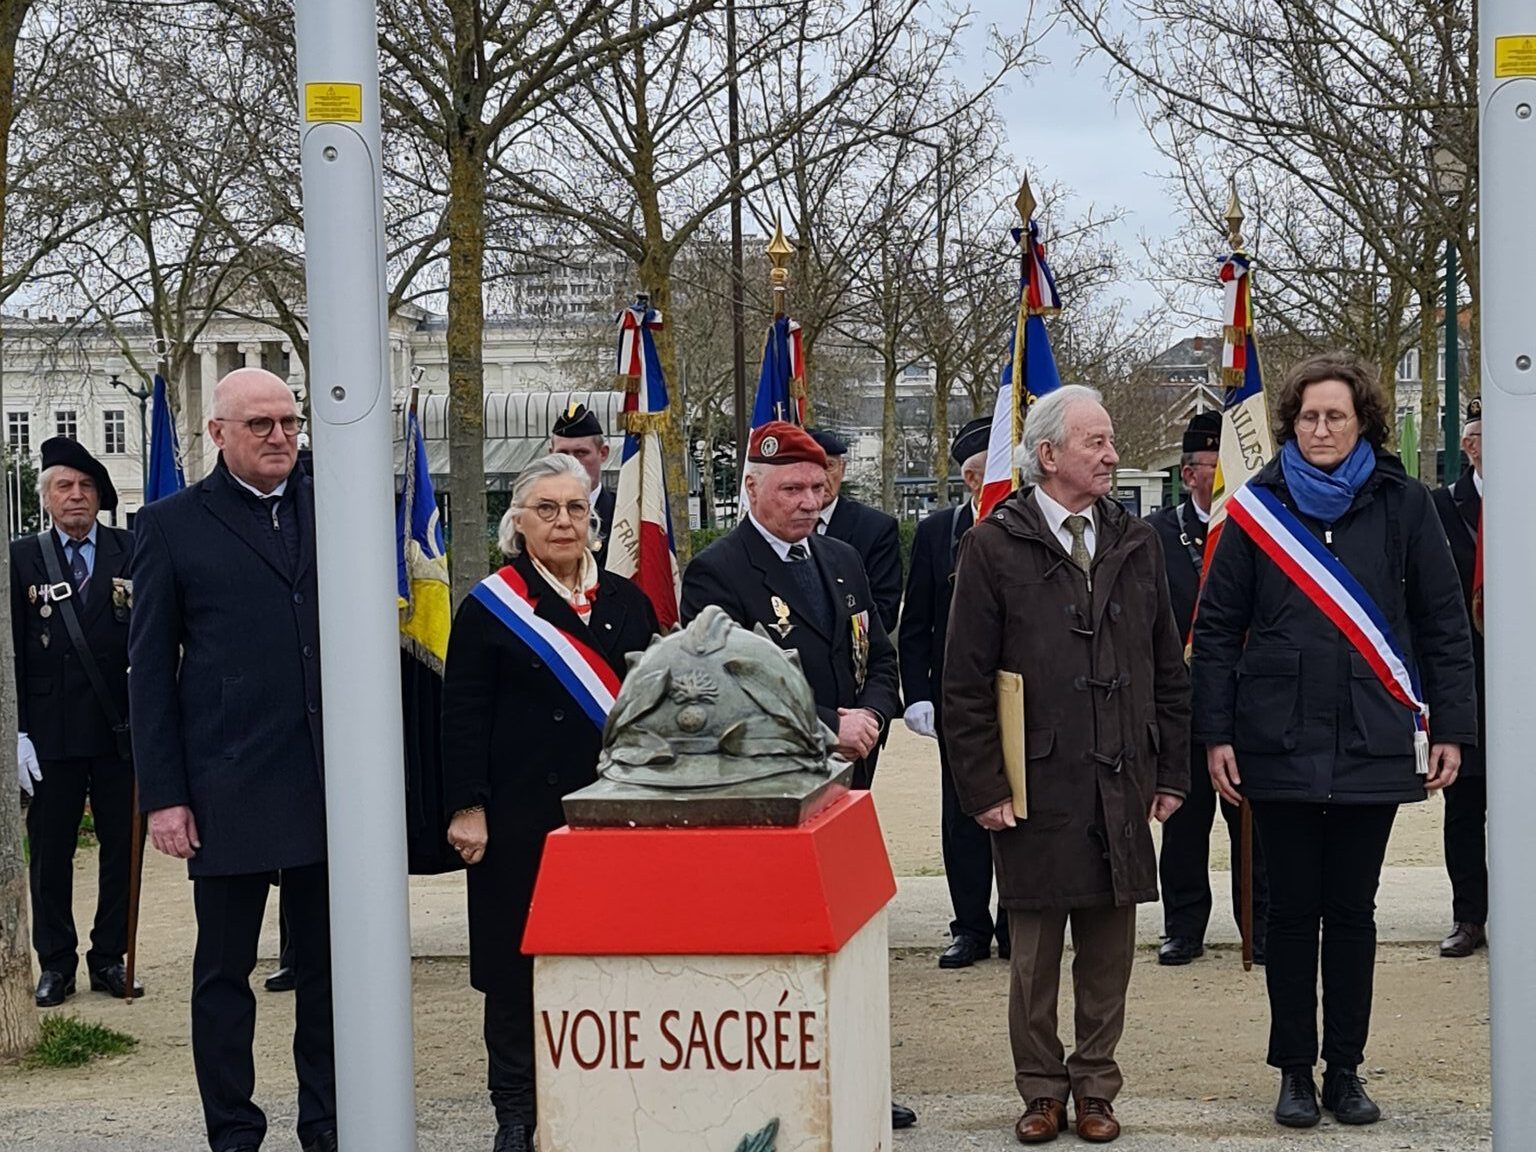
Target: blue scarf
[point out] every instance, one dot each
(1325, 496)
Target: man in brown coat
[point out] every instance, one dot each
(1061, 585)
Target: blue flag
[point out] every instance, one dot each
(421, 563)
(165, 475)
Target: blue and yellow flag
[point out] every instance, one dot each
(421, 562)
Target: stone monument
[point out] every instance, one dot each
(710, 929)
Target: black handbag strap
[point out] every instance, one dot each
(66, 611)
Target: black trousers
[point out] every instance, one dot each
(229, 914)
(1185, 864)
(53, 827)
(1324, 868)
(1466, 848)
(967, 849)
(509, 1047)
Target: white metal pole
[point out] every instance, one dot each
(1507, 253)
(338, 70)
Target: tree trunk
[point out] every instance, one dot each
(1429, 384)
(466, 368)
(888, 429)
(941, 427)
(18, 1013)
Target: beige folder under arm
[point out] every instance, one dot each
(1010, 728)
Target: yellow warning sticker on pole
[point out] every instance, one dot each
(333, 102)
(1514, 56)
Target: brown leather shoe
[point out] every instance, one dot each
(1096, 1121)
(1464, 940)
(1042, 1122)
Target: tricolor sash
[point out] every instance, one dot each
(1325, 581)
(580, 669)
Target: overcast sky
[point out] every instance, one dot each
(1065, 122)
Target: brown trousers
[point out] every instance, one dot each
(1104, 945)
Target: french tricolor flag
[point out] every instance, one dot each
(640, 541)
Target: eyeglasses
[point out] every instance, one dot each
(261, 426)
(1333, 421)
(549, 510)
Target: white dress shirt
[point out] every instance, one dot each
(781, 547)
(825, 520)
(1056, 518)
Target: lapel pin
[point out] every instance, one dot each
(781, 610)
(46, 610)
(851, 600)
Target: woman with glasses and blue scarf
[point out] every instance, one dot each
(1333, 681)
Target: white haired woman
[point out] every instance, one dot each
(520, 732)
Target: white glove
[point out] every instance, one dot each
(919, 718)
(27, 767)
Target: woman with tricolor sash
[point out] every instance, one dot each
(534, 661)
(1333, 681)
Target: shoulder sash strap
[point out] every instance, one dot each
(1333, 589)
(66, 610)
(582, 672)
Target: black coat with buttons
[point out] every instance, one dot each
(515, 741)
(1275, 678)
(224, 647)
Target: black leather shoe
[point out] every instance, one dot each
(513, 1138)
(902, 1116)
(1344, 1096)
(964, 951)
(280, 981)
(1179, 950)
(1464, 940)
(1297, 1106)
(113, 980)
(52, 987)
(325, 1142)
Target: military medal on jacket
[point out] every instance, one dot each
(781, 610)
(860, 624)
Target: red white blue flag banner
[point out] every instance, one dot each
(583, 673)
(1330, 586)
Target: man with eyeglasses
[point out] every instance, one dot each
(1460, 505)
(1184, 862)
(225, 649)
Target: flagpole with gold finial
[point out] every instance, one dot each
(780, 252)
(1025, 203)
(1233, 377)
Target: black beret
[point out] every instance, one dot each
(577, 420)
(63, 451)
(831, 443)
(971, 439)
(1203, 433)
(1474, 409)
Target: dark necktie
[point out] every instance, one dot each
(798, 552)
(79, 574)
(814, 593)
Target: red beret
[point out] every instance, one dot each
(779, 442)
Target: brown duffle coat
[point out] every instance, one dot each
(1106, 702)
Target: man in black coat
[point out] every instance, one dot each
(810, 593)
(967, 846)
(1460, 506)
(578, 432)
(1184, 865)
(871, 532)
(225, 646)
(72, 726)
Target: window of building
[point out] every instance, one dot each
(114, 439)
(18, 432)
(65, 423)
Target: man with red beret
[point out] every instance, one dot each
(809, 592)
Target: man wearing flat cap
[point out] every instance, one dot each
(577, 432)
(71, 597)
(1460, 506)
(870, 531)
(967, 846)
(810, 594)
(1184, 866)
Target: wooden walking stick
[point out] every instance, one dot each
(135, 867)
(1245, 864)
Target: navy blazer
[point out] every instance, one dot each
(55, 703)
(225, 690)
(874, 536)
(925, 610)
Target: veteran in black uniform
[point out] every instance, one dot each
(72, 709)
(811, 595)
(1460, 506)
(227, 741)
(577, 432)
(967, 846)
(1184, 864)
(870, 531)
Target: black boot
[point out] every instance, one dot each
(513, 1138)
(1297, 1106)
(1344, 1096)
